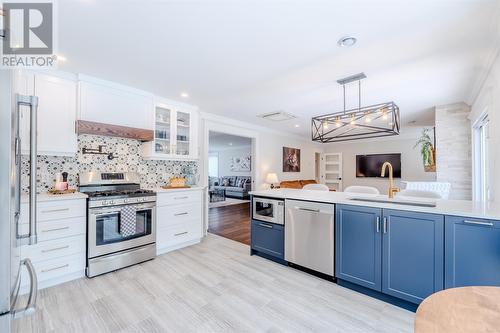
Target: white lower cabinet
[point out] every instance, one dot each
(60, 252)
(179, 219)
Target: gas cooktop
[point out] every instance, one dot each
(121, 193)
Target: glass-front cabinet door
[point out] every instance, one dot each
(183, 133)
(163, 130)
(175, 132)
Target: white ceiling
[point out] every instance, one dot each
(243, 58)
(221, 141)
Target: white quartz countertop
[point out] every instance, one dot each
(170, 190)
(466, 208)
(55, 197)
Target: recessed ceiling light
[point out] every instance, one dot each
(230, 143)
(297, 125)
(60, 58)
(347, 41)
(184, 95)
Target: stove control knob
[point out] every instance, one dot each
(104, 203)
(111, 202)
(143, 199)
(126, 200)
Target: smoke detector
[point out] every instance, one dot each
(277, 116)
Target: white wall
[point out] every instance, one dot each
(488, 101)
(271, 157)
(412, 168)
(225, 157)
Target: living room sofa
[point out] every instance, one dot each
(233, 186)
(296, 183)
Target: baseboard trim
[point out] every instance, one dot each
(378, 295)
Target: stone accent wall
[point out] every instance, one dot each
(454, 149)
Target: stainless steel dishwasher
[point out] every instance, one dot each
(309, 235)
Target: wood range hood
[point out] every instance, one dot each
(94, 128)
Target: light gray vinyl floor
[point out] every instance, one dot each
(215, 286)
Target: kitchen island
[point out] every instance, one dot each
(402, 250)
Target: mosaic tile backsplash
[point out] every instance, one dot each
(128, 159)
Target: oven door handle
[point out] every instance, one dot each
(115, 209)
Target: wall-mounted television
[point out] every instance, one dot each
(371, 165)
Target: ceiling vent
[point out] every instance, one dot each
(277, 116)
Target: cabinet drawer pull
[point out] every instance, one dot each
(54, 268)
(55, 210)
(55, 249)
(385, 225)
(378, 224)
(179, 214)
(181, 233)
(180, 198)
(55, 229)
(489, 224)
(266, 225)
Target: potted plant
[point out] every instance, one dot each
(427, 151)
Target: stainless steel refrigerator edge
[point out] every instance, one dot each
(11, 262)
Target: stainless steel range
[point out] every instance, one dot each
(121, 217)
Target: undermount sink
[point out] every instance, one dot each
(396, 201)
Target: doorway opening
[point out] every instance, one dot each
(230, 179)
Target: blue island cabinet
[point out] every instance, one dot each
(472, 252)
(358, 245)
(412, 254)
(397, 254)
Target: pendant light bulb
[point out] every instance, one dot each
(353, 121)
(384, 116)
(325, 124)
(367, 117)
(337, 122)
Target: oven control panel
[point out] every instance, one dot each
(120, 201)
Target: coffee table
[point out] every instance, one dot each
(217, 195)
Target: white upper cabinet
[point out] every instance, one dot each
(176, 131)
(110, 103)
(56, 113)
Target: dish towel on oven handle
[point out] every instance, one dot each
(128, 221)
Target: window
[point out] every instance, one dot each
(481, 160)
(213, 165)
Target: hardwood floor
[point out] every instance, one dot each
(215, 286)
(231, 222)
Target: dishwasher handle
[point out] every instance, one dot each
(308, 209)
(313, 210)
